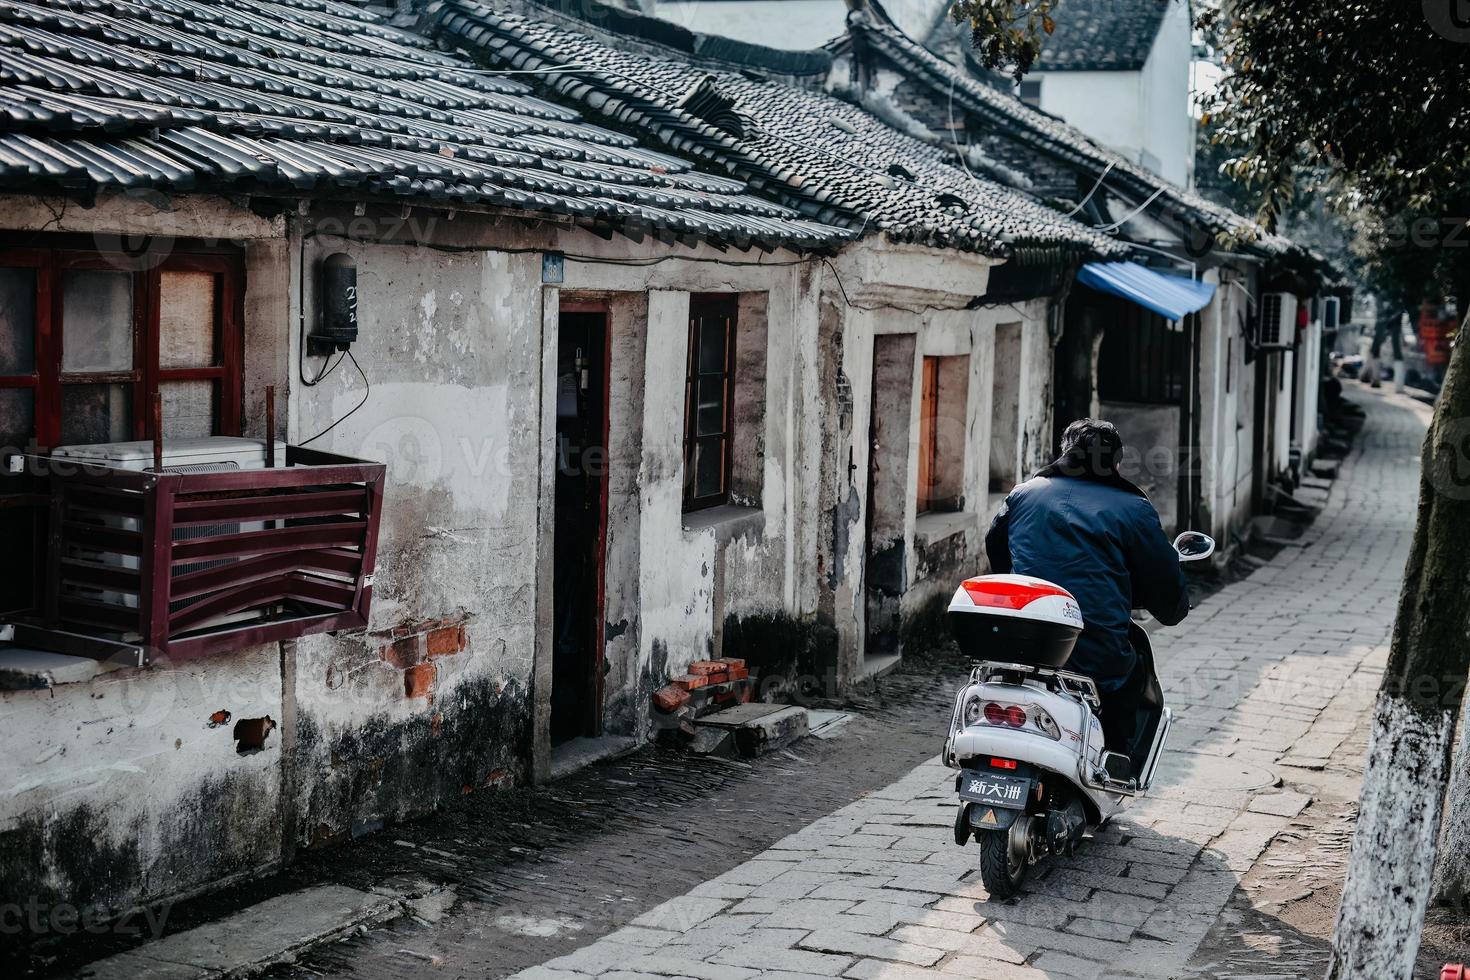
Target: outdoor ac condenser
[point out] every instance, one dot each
(1278, 313)
(201, 455)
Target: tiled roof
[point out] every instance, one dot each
(1102, 35)
(1013, 120)
(827, 158)
(299, 98)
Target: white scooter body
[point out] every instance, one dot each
(1070, 700)
(1026, 737)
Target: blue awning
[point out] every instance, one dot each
(1171, 297)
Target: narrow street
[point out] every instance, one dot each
(1271, 683)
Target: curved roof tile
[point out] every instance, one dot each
(820, 155)
(317, 97)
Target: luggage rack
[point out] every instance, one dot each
(1077, 685)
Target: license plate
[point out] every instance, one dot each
(994, 789)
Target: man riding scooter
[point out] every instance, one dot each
(1082, 526)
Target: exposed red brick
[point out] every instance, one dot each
(418, 681)
(738, 673)
(692, 682)
(436, 723)
(733, 663)
(707, 667)
(670, 698)
(405, 652)
(445, 640)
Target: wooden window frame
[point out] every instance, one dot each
(928, 434)
(701, 306)
(47, 378)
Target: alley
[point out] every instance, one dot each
(1268, 677)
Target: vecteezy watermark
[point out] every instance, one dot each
(38, 918)
(1447, 459)
(1427, 232)
(1450, 19)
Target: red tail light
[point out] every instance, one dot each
(1005, 714)
(1009, 595)
(1002, 763)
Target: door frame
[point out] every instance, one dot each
(556, 302)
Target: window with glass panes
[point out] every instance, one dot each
(709, 393)
(87, 339)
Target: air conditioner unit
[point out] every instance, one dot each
(179, 455)
(1331, 313)
(1278, 316)
(202, 455)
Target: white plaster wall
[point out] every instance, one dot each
(115, 787)
(1285, 394)
(1107, 105)
(1136, 112)
(803, 24)
(1226, 404)
(923, 294)
(123, 782)
(1308, 389)
(690, 573)
(973, 333)
(451, 345)
(1168, 117)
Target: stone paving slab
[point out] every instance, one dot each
(1268, 677)
(248, 941)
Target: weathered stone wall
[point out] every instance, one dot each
(1227, 406)
(131, 788)
(891, 585)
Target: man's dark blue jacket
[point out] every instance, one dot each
(1099, 538)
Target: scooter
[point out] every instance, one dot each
(1034, 774)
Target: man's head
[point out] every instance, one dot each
(1092, 444)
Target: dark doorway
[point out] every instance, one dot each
(580, 532)
(884, 570)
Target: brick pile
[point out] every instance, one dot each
(708, 685)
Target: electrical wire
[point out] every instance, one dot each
(366, 393)
(327, 369)
(1096, 184)
(1131, 214)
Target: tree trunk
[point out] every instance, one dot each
(1387, 892)
(1452, 861)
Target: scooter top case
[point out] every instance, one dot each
(1015, 619)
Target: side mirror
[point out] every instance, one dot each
(1194, 545)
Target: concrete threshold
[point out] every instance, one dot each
(579, 753)
(253, 939)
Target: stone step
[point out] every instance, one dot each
(757, 728)
(251, 940)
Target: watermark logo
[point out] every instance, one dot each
(1450, 19)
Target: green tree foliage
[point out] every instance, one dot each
(1365, 100)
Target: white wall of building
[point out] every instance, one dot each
(1144, 115)
(794, 25)
(129, 794)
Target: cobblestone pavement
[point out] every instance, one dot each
(1269, 677)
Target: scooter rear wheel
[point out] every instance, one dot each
(1001, 869)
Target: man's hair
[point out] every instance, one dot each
(1093, 444)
